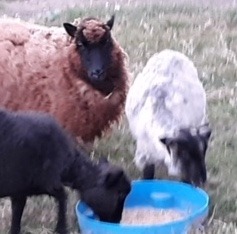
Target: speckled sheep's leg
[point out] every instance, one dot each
(18, 204)
(144, 160)
(149, 172)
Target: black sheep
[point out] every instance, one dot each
(38, 157)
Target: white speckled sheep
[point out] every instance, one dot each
(77, 73)
(166, 110)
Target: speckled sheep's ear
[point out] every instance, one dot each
(110, 22)
(70, 29)
(205, 132)
(166, 141)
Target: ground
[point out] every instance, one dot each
(203, 30)
(37, 9)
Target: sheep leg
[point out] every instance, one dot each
(149, 172)
(61, 197)
(18, 204)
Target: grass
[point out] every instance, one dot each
(209, 38)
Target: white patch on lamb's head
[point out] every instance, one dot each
(172, 162)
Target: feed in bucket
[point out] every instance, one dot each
(149, 216)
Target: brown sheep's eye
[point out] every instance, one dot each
(79, 44)
(105, 41)
(82, 44)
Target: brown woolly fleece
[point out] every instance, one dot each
(41, 70)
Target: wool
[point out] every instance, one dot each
(41, 69)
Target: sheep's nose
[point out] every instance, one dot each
(97, 74)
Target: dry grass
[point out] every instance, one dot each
(209, 38)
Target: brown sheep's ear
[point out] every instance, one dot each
(70, 29)
(110, 22)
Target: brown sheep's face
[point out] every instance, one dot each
(94, 44)
(108, 197)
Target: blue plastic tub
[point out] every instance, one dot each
(158, 194)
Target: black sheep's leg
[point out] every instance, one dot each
(18, 204)
(149, 172)
(61, 197)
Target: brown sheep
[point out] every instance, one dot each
(78, 75)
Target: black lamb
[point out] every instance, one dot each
(38, 157)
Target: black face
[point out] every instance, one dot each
(107, 199)
(96, 57)
(189, 153)
(192, 161)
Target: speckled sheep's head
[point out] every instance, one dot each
(187, 151)
(94, 45)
